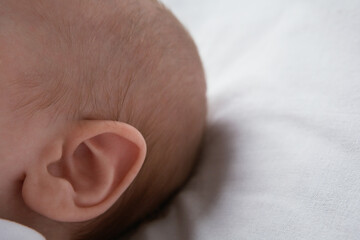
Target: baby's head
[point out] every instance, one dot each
(102, 109)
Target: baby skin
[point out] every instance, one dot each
(102, 111)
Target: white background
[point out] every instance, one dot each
(282, 155)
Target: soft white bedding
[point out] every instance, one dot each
(282, 156)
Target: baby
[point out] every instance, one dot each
(102, 110)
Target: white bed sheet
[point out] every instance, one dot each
(282, 155)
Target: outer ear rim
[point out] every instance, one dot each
(70, 211)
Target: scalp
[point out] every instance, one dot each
(75, 50)
(128, 61)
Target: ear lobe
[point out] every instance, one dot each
(97, 163)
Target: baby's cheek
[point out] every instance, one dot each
(8, 157)
(18, 141)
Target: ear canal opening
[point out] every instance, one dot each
(56, 169)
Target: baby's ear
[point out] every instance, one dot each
(82, 175)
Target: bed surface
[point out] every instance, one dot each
(282, 150)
